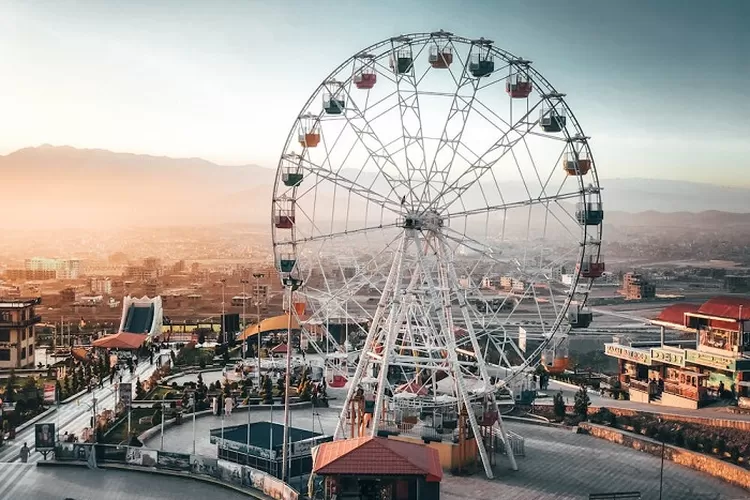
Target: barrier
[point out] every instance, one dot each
(232, 474)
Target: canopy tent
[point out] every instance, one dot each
(273, 324)
(122, 340)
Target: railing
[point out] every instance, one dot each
(230, 473)
(21, 323)
(517, 443)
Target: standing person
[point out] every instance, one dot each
(24, 453)
(228, 406)
(215, 405)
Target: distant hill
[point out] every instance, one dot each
(51, 186)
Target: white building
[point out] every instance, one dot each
(101, 286)
(65, 269)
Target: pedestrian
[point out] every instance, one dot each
(24, 453)
(228, 406)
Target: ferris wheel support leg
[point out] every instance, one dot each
(395, 320)
(450, 335)
(363, 359)
(480, 360)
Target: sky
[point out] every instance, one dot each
(661, 87)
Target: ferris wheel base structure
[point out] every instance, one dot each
(426, 173)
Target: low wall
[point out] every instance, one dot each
(248, 480)
(715, 422)
(668, 399)
(713, 466)
(638, 396)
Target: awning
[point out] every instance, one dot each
(122, 340)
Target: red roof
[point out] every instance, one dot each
(122, 340)
(377, 456)
(727, 307)
(279, 349)
(675, 314)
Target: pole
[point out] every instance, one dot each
(162, 426)
(129, 407)
(193, 405)
(287, 378)
(223, 326)
(248, 427)
(223, 411)
(244, 301)
(257, 277)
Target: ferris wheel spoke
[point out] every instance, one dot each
(482, 165)
(353, 187)
(539, 200)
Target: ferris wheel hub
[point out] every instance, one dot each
(428, 220)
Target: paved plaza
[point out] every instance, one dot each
(29, 482)
(558, 464)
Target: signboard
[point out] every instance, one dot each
(50, 392)
(628, 353)
(44, 437)
(522, 338)
(126, 393)
(668, 356)
(711, 360)
(173, 461)
(228, 445)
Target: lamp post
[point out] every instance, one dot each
(223, 326)
(291, 285)
(258, 277)
(244, 300)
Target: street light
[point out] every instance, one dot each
(256, 292)
(223, 325)
(244, 300)
(291, 285)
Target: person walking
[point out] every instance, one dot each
(24, 453)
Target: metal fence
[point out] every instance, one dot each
(224, 471)
(517, 443)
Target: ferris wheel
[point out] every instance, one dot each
(440, 203)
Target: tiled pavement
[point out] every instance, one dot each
(29, 482)
(558, 464)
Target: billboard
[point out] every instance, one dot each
(173, 461)
(50, 392)
(44, 437)
(126, 393)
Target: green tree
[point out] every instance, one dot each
(10, 387)
(582, 403)
(558, 405)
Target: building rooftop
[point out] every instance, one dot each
(675, 314)
(737, 308)
(377, 456)
(19, 302)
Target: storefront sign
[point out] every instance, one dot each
(711, 360)
(668, 356)
(628, 353)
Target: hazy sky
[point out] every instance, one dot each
(662, 87)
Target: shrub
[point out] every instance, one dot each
(734, 453)
(558, 404)
(679, 438)
(582, 403)
(720, 445)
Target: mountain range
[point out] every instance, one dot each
(51, 186)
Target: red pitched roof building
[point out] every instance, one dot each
(366, 465)
(717, 368)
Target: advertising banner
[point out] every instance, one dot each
(141, 456)
(126, 393)
(173, 461)
(204, 465)
(49, 392)
(44, 437)
(230, 472)
(522, 338)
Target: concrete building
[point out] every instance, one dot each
(636, 287)
(101, 286)
(17, 320)
(691, 373)
(65, 269)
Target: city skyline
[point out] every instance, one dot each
(226, 83)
